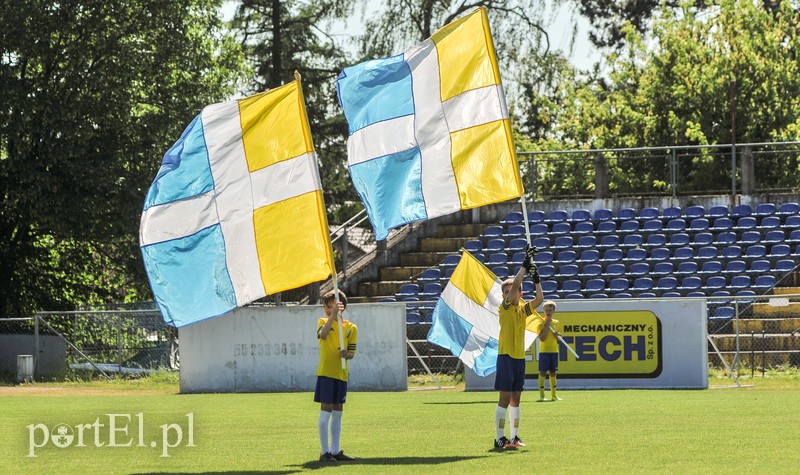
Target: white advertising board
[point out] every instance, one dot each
(275, 349)
(641, 343)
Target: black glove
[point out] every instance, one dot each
(527, 262)
(535, 275)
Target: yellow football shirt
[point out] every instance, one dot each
(330, 362)
(550, 343)
(511, 341)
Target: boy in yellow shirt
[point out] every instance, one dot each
(548, 350)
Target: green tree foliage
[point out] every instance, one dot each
(93, 93)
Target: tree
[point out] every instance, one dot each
(94, 92)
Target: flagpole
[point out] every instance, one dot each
(528, 237)
(339, 316)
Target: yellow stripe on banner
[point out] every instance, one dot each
(466, 58)
(485, 166)
(292, 242)
(473, 278)
(270, 122)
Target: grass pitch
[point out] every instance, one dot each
(745, 430)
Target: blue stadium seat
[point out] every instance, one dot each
(630, 226)
(646, 214)
(769, 222)
(707, 252)
(749, 237)
(642, 284)
(567, 271)
(615, 269)
(589, 255)
(639, 269)
(671, 294)
(733, 251)
(632, 240)
(495, 245)
(430, 275)
(608, 241)
(543, 257)
(431, 291)
(788, 209)
(679, 240)
(539, 229)
(724, 313)
(619, 284)
(517, 258)
(562, 227)
(725, 238)
(659, 254)
(739, 282)
(625, 214)
(715, 282)
(407, 290)
(745, 223)
(756, 251)
(571, 286)
(591, 270)
(686, 268)
(606, 227)
(529, 288)
(536, 217)
(565, 257)
(745, 293)
(666, 283)
(741, 211)
(775, 236)
(722, 224)
(583, 227)
(492, 231)
(785, 265)
(557, 216)
(779, 251)
(546, 271)
(517, 244)
(735, 267)
(670, 213)
(574, 295)
(717, 211)
(710, 268)
(693, 212)
(792, 222)
(652, 226)
(473, 245)
(698, 225)
(603, 214)
(595, 285)
(586, 242)
(764, 209)
(612, 255)
(541, 243)
(447, 272)
(497, 259)
(581, 215)
(702, 239)
(656, 240)
(676, 225)
(502, 272)
(690, 283)
(515, 230)
(548, 287)
(696, 293)
(622, 295)
(598, 295)
(635, 255)
(718, 297)
(759, 266)
(479, 257)
(413, 317)
(563, 242)
(646, 295)
(451, 260)
(685, 252)
(512, 217)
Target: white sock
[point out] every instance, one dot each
(336, 431)
(322, 426)
(500, 421)
(513, 421)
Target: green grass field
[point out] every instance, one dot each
(744, 430)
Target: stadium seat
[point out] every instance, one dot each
(750, 237)
(606, 227)
(515, 230)
(642, 284)
(480, 257)
(619, 284)
(567, 271)
(502, 272)
(632, 240)
(615, 269)
(583, 227)
(608, 241)
(639, 269)
(646, 295)
(671, 294)
(431, 291)
(586, 241)
(413, 317)
(517, 258)
(659, 254)
(589, 255)
(612, 255)
(794, 237)
(656, 240)
(563, 242)
(622, 295)
(495, 245)
(759, 266)
(591, 270)
(686, 268)
(685, 252)
(447, 272)
(574, 295)
(630, 226)
(769, 222)
(430, 275)
(696, 293)
(646, 214)
(715, 282)
(710, 268)
(602, 214)
(517, 244)
(722, 224)
(450, 260)
(764, 209)
(581, 215)
(388, 299)
(473, 245)
(735, 267)
(546, 271)
(693, 212)
(625, 214)
(756, 251)
(565, 257)
(512, 217)
(724, 313)
(679, 240)
(666, 283)
(785, 265)
(775, 236)
(717, 211)
(529, 288)
(492, 232)
(788, 209)
(571, 286)
(595, 285)
(407, 290)
(779, 251)
(671, 213)
(732, 252)
(739, 282)
(497, 259)
(741, 211)
(690, 283)
(548, 287)
(698, 225)
(557, 216)
(539, 229)
(718, 297)
(745, 293)
(676, 225)
(652, 226)
(541, 243)
(543, 257)
(792, 222)
(725, 238)
(635, 254)
(702, 239)
(598, 295)
(745, 223)
(707, 252)
(562, 227)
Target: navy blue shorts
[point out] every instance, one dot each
(548, 362)
(510, 374)
(330, 390)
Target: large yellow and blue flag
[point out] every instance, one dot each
(429, 132)
(466, 318)
(236, 211)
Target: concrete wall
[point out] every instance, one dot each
(654, 344)
(52, 354)
(274, 349)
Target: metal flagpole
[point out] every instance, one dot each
(339, 316)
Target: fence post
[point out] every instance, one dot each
(35, 344)
(733, 171)
(345, 246)
(673, 169)
(600, 176)
(119, 344)
(748, 172)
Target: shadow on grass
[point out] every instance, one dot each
(461, 403)
(387, 461)
(243, 472)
